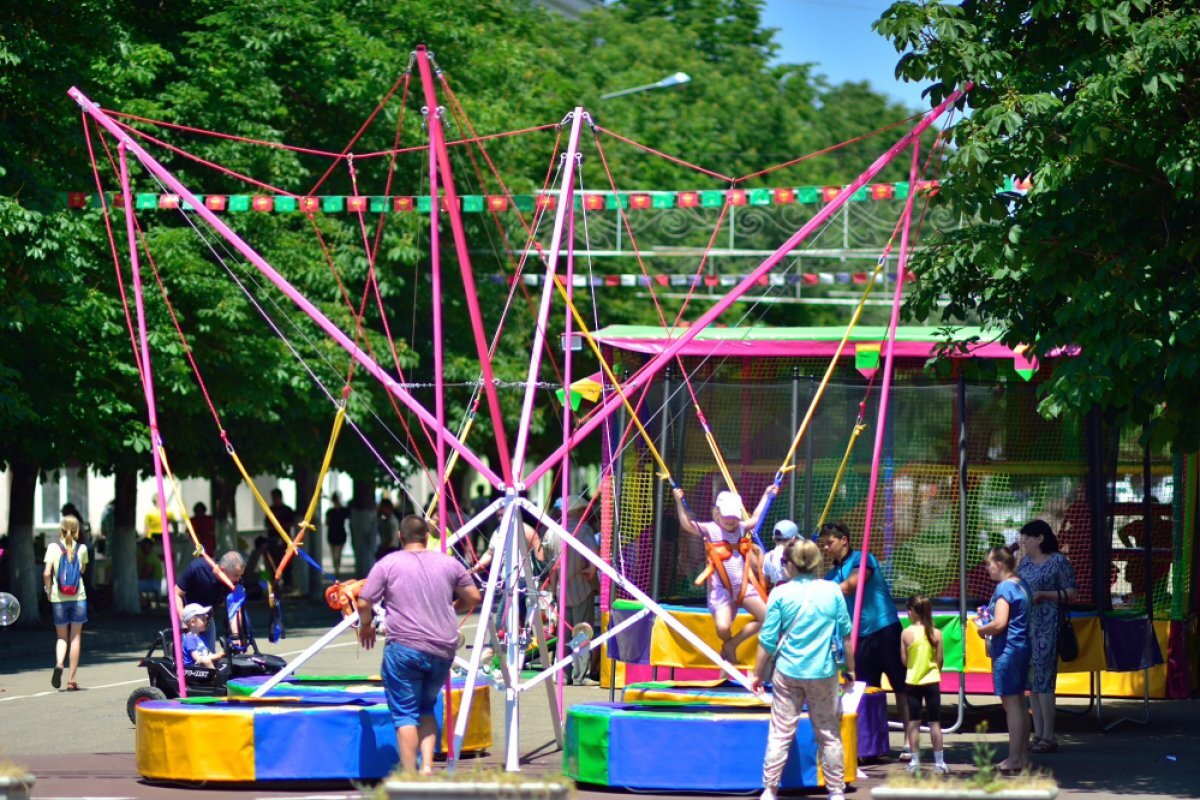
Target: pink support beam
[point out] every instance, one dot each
(269, 272)
(613, 402)
(152, 411)
(437, 141)
(889, 363)
(566, 207)
(565, 472)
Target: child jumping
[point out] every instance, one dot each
(921, 652)
(734, 571)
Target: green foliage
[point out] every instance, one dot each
(1092, 102)
(307, 73)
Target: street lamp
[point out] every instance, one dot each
(671, 80)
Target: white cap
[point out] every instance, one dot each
(786, 529)
(729, 504)
(193, 610)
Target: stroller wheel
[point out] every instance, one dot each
(141, 695)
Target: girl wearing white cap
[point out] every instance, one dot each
(729, 547)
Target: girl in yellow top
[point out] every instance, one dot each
(921, 652)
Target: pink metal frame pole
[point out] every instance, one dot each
(152, 411)
(439, 389)
(437, 141)
(889, 363)
(613, 402)
(566, 200)
(267, 270)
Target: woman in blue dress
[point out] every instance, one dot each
(1048, 572)
(1008, 633)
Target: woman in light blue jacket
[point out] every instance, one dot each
(805, 618)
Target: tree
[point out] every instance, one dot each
(1094, 103)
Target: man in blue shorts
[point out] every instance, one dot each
(423, 592)
(878, 650)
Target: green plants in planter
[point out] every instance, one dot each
(16, 783)
(474, 785)
(985, 784)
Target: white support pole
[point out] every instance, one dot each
(592, 645)
(513, 651)
(348, 621)
(539, 635)
(566, 206)
(481, 631)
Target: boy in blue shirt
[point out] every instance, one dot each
(878, 650)
(195, 648)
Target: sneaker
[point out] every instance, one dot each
(906, 754)
(941, 769)
(836, 797)
(913, 768)
(769, 793)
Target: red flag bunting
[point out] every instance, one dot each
(662, 280)
(168, 201)
(497, 203)
(612, 280)
(262, 203)
(310, 205)
(882, 191)
(76, 200)
(785, 197)
(689, 199)
(829, 192)
(712, 280)
(593, 202)
(356, 204)
(546, 201)
(763, 280)
(640, 201)
(736, 197)
(402, 204)
(216, 202)
(809, 278)
(860, 277)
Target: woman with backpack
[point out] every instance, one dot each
(66, 560)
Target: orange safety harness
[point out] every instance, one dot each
(718, 553)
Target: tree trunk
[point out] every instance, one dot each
(362, 526)
(122, 549)
(305, 579)
(24, 571)
(224, 505)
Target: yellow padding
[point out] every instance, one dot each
(1087, 630)
(1117, 684)
(478, 737)
(669, 649)
(181, 744)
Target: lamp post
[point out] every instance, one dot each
(671, 80)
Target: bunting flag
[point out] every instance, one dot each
(639, 281)
(477, 204)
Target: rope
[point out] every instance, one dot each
(177, 493)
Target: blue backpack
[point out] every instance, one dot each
(69, 573)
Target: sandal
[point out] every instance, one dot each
(56, 677)
(1044, 746)
(72, 686)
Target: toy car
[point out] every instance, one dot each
(201, 681)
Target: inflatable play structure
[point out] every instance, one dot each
(966, 459)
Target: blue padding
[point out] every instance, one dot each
(340, 743)
(709, 752)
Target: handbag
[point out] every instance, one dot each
(1068, 644)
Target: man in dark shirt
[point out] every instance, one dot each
(200, 584)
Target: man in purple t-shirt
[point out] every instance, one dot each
(423, 592)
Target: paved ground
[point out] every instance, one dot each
(80, 744)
